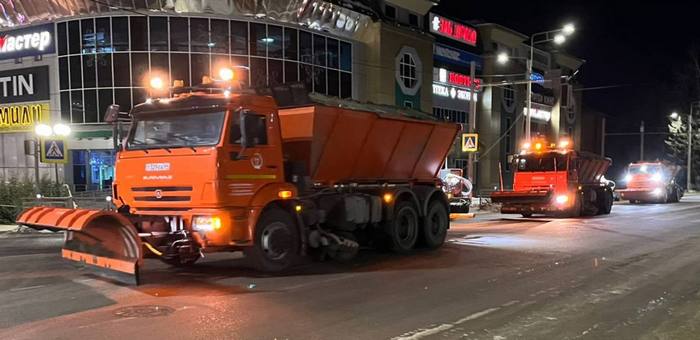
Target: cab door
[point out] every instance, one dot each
(245, 170)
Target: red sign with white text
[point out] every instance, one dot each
(451, 29)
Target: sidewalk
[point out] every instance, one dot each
(8, 228)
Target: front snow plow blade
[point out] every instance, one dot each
(521, 197)
(103, 240)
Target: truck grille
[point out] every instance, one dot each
(160, 194)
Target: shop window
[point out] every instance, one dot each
(345, 56)
(101, 165)
(76, 73)
(77, 109)
(120, 34)
(345, 85)
(407, 70)
(89, 71)
(258, 72)
(121, 69)
(320, 80)
(63, 73)
(62, 35)
(219, 36)
(103, 36)
(274, 41)
(319, 50)
(221, 60)
(159, 64)
(390, 12)
(180, 67)
(179, 34)
(87, 30)
(199, 35)
(239, 37)
(290, 43)
(199, 68)
(80, 178)
(333, 83)
(413, 20)
(242, 71)
(306, 76)
(305, 47)
(333, 53)
(122, 97)
(408, 104)
(104, 69)
(158, 37)
(65, 106)
(291, 71)
(104, 100)
(90, 106)
(258, 39)
(138, 95)
(274, 71)
(74, 37)
(139, 69)
(139, 33)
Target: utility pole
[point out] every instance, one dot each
(602, 139)
(472, 118)
(690, 145)
(641, 141)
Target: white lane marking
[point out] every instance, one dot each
(25, 288)
(422, 333)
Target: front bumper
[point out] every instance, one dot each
(643, 194)
(520, 202)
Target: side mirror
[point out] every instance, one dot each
(248, 122)
(112, 114)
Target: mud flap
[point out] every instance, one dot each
(106, 242)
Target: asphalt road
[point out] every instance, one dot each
(634, 274)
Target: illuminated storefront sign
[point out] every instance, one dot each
(453, 30)
(24, 85)
(22, 117)
(455, 78)
(452, 92)
(30, 41)
(539, 114)
(456, 56)
(537, 78)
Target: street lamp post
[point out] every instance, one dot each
(689, 155)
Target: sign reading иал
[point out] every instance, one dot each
(25, 42)
(24, 85)
(22, 117)
(452, 29)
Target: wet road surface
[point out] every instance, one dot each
(634, 274)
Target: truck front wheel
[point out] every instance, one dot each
(402, 230)
(276, 241)
(435, 225)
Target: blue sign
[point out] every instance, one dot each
(456, 56)
(537, 78)
(53, 151)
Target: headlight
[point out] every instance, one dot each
(657, 192)
(206, 223)
(561, 199)
(657, 177)
(628, 178)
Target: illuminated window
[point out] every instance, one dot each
(407, 70)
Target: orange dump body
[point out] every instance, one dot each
(340, 145)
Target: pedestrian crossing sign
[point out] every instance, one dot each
(470, 142)
(53, 151)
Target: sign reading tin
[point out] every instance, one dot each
(24, 85)
(29, 41)
(453, 30)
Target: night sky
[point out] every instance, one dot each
(642, 46)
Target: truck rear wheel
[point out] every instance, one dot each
(276, 241)
(402, 230)
(435, 224)
(605, 202)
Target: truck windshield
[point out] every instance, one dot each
(543, 162)
(636, 169)
(169, 131)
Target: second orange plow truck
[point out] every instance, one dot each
(554, 179)
(215, 169)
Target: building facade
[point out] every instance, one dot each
(81, 64)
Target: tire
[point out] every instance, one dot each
(605, 203)
(435, 224)
(575, 210)
(277, 241)
(403, 229)
(527, 214)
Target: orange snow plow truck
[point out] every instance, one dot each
(213, 170)
(651, 182)
(556, 180)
